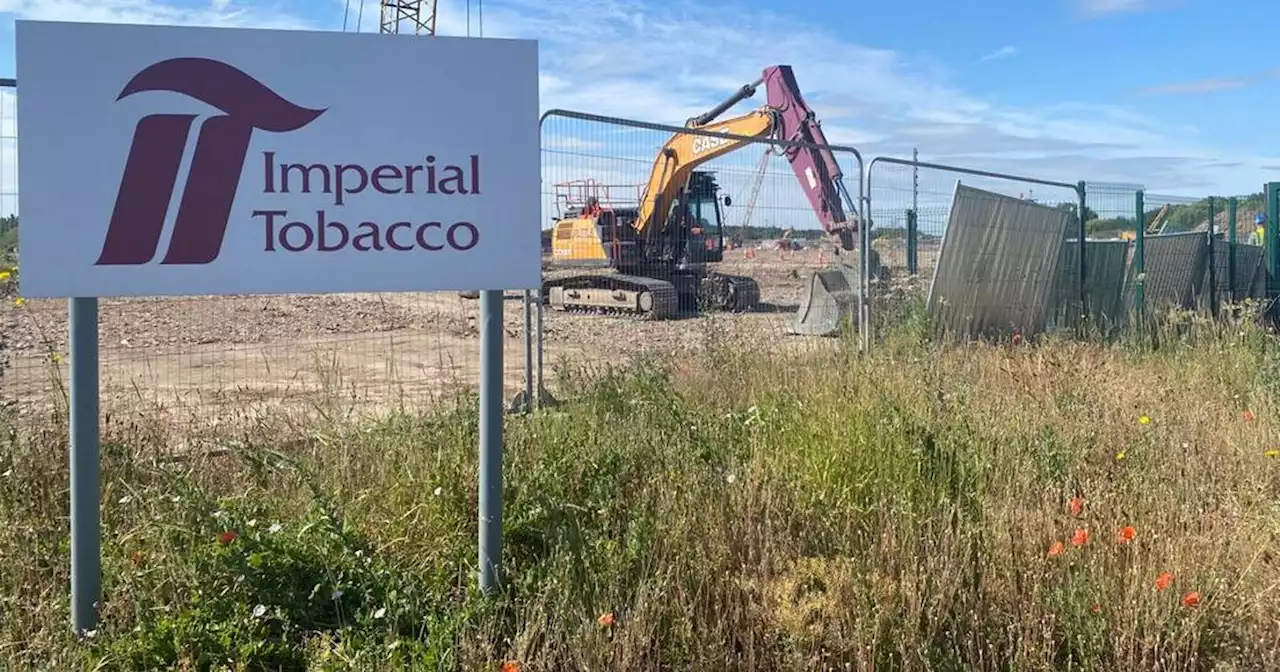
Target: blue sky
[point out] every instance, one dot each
(1165, 93)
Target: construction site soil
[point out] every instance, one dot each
(207, 353)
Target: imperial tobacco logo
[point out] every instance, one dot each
(155, 159)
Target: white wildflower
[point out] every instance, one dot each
(259, 610)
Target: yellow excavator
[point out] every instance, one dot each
(650, 257)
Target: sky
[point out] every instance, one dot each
(1168, 94)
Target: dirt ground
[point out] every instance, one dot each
(205, 354)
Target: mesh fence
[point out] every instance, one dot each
(1176, 255)
(206, 360)
(1111, 225)
(1000, 256)
(656, 237)
(736, 258)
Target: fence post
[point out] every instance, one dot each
(864, 271)
(537, 381)
(913, 259)
(490, 485)
(1271, 191)
(1272, 247)
(1232, 212)
(1081, 212)
(913, 217)
(915, 179)
(86, 491)
(1213, 266)
(527, 313)
(1139, 261)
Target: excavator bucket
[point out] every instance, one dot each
(830, 301)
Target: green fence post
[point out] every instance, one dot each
(913, 260)
(1139, 261)
(1232, 212)
(1272, 247)
(1212, 263)
(1080, 232)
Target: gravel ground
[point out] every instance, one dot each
(188, 344)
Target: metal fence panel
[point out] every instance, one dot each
(626, 275)
(906, 193)
(998, 266)
(1106, 262)
(1175, 264)
(1251, 271)
(1248, 262)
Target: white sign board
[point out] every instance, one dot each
(162, 160)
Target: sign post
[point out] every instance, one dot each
(179, 161)
(490, 495)
(86, 489)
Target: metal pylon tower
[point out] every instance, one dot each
(417, 15)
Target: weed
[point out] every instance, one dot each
(919, 507)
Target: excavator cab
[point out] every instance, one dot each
(697, 222)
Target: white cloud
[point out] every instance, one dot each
(215, 13)
(1105, 7)
(1003, 52)
(1211, 84)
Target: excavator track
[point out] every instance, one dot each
(613, 293)
(732, 293)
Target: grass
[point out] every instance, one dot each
(814, 511)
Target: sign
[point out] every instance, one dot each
(164, 160)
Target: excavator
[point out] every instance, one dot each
(655, 252)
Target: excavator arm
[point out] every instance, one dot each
(686, 151)
(815, 166)
(787, 117)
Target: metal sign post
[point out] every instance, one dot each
(490, 495)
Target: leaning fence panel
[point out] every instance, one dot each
(667, 239)
(987, 250)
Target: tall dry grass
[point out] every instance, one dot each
(744, 511)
